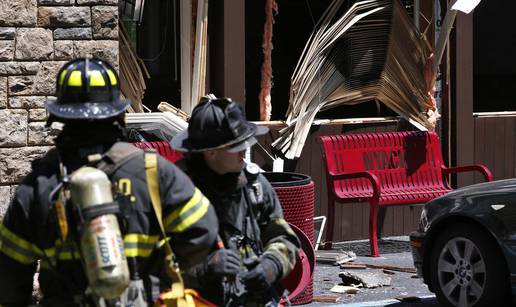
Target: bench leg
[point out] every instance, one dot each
(328, 244)
(373, 240)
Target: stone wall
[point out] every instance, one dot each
(36, 38)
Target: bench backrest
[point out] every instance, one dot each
(398, 159)
(163, 148)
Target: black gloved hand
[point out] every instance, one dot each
(224, 262)
(262, 277)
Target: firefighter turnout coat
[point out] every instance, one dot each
(262, 231)
(30, 234)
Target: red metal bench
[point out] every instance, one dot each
(163, 148)
(385, 169)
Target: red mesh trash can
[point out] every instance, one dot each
(296, 195)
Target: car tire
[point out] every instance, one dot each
(467, 268)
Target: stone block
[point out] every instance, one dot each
(15, 163)
(41, 135)
(3, 92)
(97, 2)
(104, 21)
(45, 81)
(5, 199)
(104, 49)
(55, 2)
(14, 127)
(63, 50)
(6, 50)
(18, 68)
(7, 33)
(20, 85)
(72, 33)
(34, 44)
(37, 115)
(64, 16)
(18, 13)
(27, 102)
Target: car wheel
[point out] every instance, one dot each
(467, 268)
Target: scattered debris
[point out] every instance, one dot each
(389, 272)
(408, 299)
(390, 268)
(326, 298)
(350, 265)
(166, 107)
(335, 257)
(386, 63)
(132, 72)
(344, 289)
(367, 279)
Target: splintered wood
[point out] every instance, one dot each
(132, 73)
(371, 52)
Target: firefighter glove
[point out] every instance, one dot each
(224, 262)
(263, 276)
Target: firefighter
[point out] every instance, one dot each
(260, 247)
(33, 230)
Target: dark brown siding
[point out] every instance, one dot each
(495, 145)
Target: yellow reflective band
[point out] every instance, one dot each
(280, 221)
(193, 217)
(194, 200)
(62, 76)
(112, 77)
(75, 78)
(16, 255)
(139, 245)
(96, 78)
(66, 251)
(18, 248)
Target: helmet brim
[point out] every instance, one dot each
(181, 143)
(88, 110)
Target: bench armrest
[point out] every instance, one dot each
(468, 168)
(375, 182)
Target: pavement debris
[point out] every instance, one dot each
(388, 272)
(351, 265)
(408, 299)
(344, 289)
(367, 279)
(326, 298)
(387, 267)
(334, 257)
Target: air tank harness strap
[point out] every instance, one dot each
(90, 213)
(172, 270)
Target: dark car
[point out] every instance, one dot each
(465, 245)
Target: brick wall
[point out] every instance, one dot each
(36, 38)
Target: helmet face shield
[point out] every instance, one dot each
(87, 89)
(215, 124)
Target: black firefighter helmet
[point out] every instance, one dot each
(214, 124)
(87, 89)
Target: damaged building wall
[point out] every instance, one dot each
(36, 38)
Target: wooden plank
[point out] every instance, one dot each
(479, 148)
(499, 145)
(186, 54)
(510, 147)
(326, 298)
(464, 95)
(490, 146)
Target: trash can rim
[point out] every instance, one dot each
(281, 179)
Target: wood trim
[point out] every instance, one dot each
(463, 106)
(234, 50)
(186, 53)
